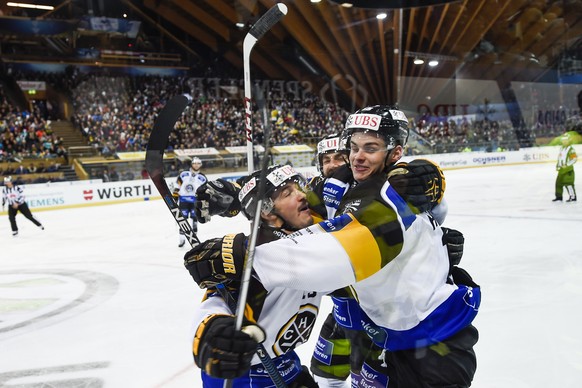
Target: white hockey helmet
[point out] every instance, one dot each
(196, 163)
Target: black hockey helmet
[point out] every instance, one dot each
(277, 177)
(330, 144)
(388, 122)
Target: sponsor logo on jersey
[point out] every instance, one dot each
(336, 223)
(323, 351)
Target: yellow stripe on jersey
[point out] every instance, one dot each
(362, 248)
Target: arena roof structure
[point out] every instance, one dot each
(368, 45)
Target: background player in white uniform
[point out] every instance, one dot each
(14, 197)
(187, 183)
(287, 316)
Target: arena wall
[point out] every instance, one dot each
(61, 195)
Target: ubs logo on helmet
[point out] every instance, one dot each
(364, 120)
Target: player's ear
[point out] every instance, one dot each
(270, 219)
(395, 154)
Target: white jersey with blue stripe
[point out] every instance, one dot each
(188, 182)
(397, 270)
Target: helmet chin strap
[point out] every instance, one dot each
(285, 224)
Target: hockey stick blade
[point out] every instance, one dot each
(154, 160)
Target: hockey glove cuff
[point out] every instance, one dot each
(222, 351)
(217, 260)
(219, 197)
(454, 241)
(421, 183)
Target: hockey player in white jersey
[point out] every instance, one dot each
(287, 316)
(187, 183)
(390, 255)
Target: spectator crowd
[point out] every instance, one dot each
(116, 113)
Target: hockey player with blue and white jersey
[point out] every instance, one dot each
(388, 254)
(187, 183)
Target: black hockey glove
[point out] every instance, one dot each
(304, 380)
(455, 241)
(420, 183)
(222, 351)
(219, 197)
(217, 260)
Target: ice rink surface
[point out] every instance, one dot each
(101, 298)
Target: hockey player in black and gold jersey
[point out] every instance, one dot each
(287, 316)
(392, 257)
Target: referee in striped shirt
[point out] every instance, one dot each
(14, 196)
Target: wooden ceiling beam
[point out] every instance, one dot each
(224, 9)
(467, 25)
(386, 92)
(436, 32)
(323, 33)
(328, 13)
(151, 4)
(313, 47)
(205, 18)
(354, 34)
(452, 26)
(374, 60)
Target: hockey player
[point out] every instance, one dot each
(565, 167)
(390, 255)
(330, 156)
(287, 316)
(14, 196)
(187, 183)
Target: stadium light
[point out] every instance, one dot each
(33, 6)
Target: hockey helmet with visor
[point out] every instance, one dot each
(330, 144)
(277, 177)
(386, 122)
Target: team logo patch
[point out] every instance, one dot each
(280, 175)
(297, 330)
(433, 192)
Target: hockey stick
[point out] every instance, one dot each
(264, 24)
(154, 163)
(154, 160)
